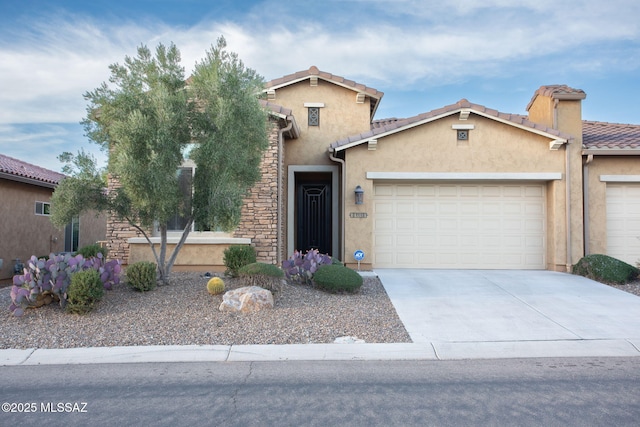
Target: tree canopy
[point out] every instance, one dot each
(151, 120)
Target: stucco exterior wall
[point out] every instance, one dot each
(22, 232)
(596, 214)
(566, 116)
(93, 228)
(341, 116)
(492, 148)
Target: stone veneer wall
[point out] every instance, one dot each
(260, 211)
(118, 232)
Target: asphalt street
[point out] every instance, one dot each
(523, 392)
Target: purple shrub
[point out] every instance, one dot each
(45, 281)
(300, 268)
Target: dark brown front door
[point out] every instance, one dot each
(313, 216)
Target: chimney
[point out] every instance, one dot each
(558, 107)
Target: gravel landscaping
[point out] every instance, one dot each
(184, 313)
(632, 287)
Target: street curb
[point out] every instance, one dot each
(322, 352)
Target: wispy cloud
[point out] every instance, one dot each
(41, 143)
(48, 62)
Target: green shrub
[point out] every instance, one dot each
(236, 257)
(336, 261)
(267, 276)
(90, 251)
(84, 291)
(337, 278)
(142, 276)
(605, 269)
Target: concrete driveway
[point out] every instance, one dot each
(496, 311)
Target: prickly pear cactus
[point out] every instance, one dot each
(215, 286)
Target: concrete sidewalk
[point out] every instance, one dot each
(449, 314)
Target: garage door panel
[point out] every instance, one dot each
(623, 221)
(469, 191)
(447, 191)
(511, 242)
(427, 225)
(447, 225)
(490, 243)
(534, 226)
(534, 243)
(406, 240)
(383, 208)
(511, 225)
(469, 225)
(491, 208)
(491, 224)
(425, 190)
(405, 208)
(534, 192)
(470, 208)
(447, 207)
(384, 240)
(405, 224)
(405, 190)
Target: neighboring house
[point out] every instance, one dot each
(25, 206)
(463, 186)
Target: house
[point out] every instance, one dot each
(462, 186)
(25, 228)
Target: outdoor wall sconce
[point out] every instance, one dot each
(359, 192)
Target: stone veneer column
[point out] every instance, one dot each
(260, 210)
(118, 232)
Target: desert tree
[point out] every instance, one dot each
(151, 120)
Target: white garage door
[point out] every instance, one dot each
(623, 221)
(470, 225)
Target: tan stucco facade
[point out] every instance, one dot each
(433, 148)
(348, 149)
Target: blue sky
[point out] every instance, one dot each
(422, 54)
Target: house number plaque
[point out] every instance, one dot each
(358, 214)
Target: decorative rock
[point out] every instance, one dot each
(348, 340)
(247, 300)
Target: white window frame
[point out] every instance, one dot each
(188, 163)
(42, 211)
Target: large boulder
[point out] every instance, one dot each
(247, 299)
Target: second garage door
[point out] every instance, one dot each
(623, 221)
(459, 225)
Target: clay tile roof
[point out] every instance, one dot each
(379, 127)
(384, 122)
(603, 135)
(314, 71)
(20, 171)
(277, 109)
(558, 92)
